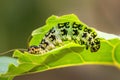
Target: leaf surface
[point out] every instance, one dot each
(70, 54)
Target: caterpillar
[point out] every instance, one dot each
(67, 31)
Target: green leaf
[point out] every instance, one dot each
(4, 63)
(71, 54)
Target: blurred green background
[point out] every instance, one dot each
(18, 18)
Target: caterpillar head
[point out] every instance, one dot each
(34, 49)
(95, 45)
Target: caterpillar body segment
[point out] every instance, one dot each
(67, 31)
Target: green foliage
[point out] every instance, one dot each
(70, 54)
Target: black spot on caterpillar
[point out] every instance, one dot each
(77, 32)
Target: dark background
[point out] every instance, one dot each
(18, 18)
